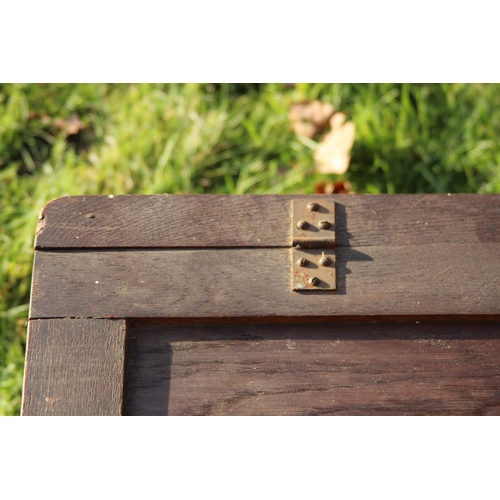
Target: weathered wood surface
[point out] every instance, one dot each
(163, 221)
(398, 256)
(74, 367)
(436, 279)
(314, 369)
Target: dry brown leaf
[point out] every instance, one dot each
(309, 118)
(333, 152)
(337, 187)
(72, 126)
(60, 123)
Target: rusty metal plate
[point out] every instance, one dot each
(313, 269)
(313, 255)
(313, 223)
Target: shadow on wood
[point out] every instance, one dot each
(148, 373)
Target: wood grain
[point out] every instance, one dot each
(182, 257)
(314, 369)
(74, 367)
(174, 221)
(437, 279)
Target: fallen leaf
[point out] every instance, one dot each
(72, 126)
(333, 152)
(309, 118)
(337, 187)
(60, 123)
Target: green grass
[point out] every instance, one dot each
(206, 138)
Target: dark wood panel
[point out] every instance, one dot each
(74, 367)
(328, 368)
(437, 279)
(163, 221)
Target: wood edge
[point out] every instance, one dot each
(257, 320)
(60, 205)
(121, 324)
(401, 318)
(68, 274)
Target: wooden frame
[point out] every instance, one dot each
(121, 281)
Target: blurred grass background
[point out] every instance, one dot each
(69, 139)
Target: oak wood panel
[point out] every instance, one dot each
(74, 367)
(314, 369)
(437, 279)
(162, 221)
